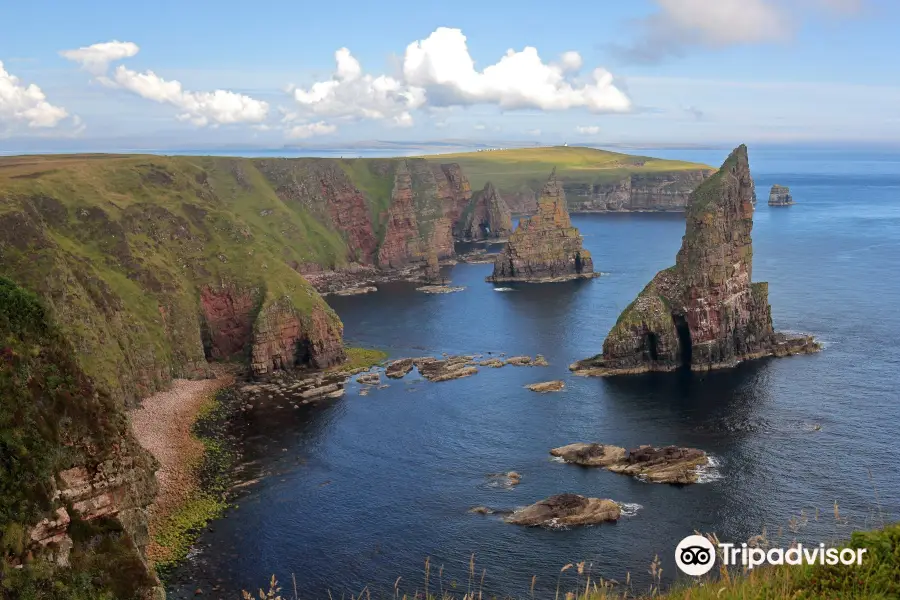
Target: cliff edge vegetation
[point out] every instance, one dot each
(594, 180)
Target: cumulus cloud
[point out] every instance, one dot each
(219, 107)
(96, 57)
(438, 72)
(678, 25)
(442, 66)
(352, 95)
(27, 104)
(588, 129)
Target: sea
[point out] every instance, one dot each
(370, 494)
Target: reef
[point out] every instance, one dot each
(545, 247)
(670, 464)
(566, 510)
(705, 312)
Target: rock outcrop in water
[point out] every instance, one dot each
(486, 217)
(704, 312)
(565, 510)
(780, 196)
(658, 465)
(545, 247)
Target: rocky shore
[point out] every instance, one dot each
(163, 426)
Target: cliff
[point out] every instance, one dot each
(75, 485)
(486, 216)
(780, 196)
(644, 193)
(704, 312)
(594, 180)
(545, 247)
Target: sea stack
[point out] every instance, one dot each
(780, 196)
(545, 247)
(486, 217)
(704, 312)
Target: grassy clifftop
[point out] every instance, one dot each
(120, 247)
(525, 169)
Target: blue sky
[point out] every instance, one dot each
(672, 71)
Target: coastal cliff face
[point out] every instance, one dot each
(646, 192)
(486, 216)
(426, 203)
(780, 196)
(545, 247)
(704, 312)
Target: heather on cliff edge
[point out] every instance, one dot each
(52, 419)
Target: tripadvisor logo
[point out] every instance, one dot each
(696, 555)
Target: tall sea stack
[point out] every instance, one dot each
(545, 247)
(704, 312)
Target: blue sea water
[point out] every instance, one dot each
(363, 489)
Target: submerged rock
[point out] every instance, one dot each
(547, 386)
(670, 464)
(545, 247)
(369, 379)
(704, 312)
(440, 289)
(565, 510)
(505, 480)
(780, 196)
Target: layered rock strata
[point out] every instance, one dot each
(545, 247)
(780, 196)
(486, 217)
(658, 465)
(657, 192)
(705, 312)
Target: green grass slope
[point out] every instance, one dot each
(119, 247)
(511, 170)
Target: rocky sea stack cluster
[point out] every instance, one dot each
(545, 247)
(780, 196)
(705, 312)
(486, 217)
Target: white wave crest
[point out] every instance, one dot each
(629, 509)
(504, 289)
(709, 472)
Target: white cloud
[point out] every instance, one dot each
(309, 130)
(480, 127)
(441, 65)
(680, 24)
(533, 132)
(588, 129)
(27, 104)
(219, 107)
(350, 94)
(439, 73)
(96, 57)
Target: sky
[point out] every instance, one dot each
(104, 74)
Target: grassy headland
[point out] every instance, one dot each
(527, 168)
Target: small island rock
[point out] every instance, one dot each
(565, 510)
(780, 196)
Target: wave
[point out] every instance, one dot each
(629, 509)
(709, 472)
(504, 289)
